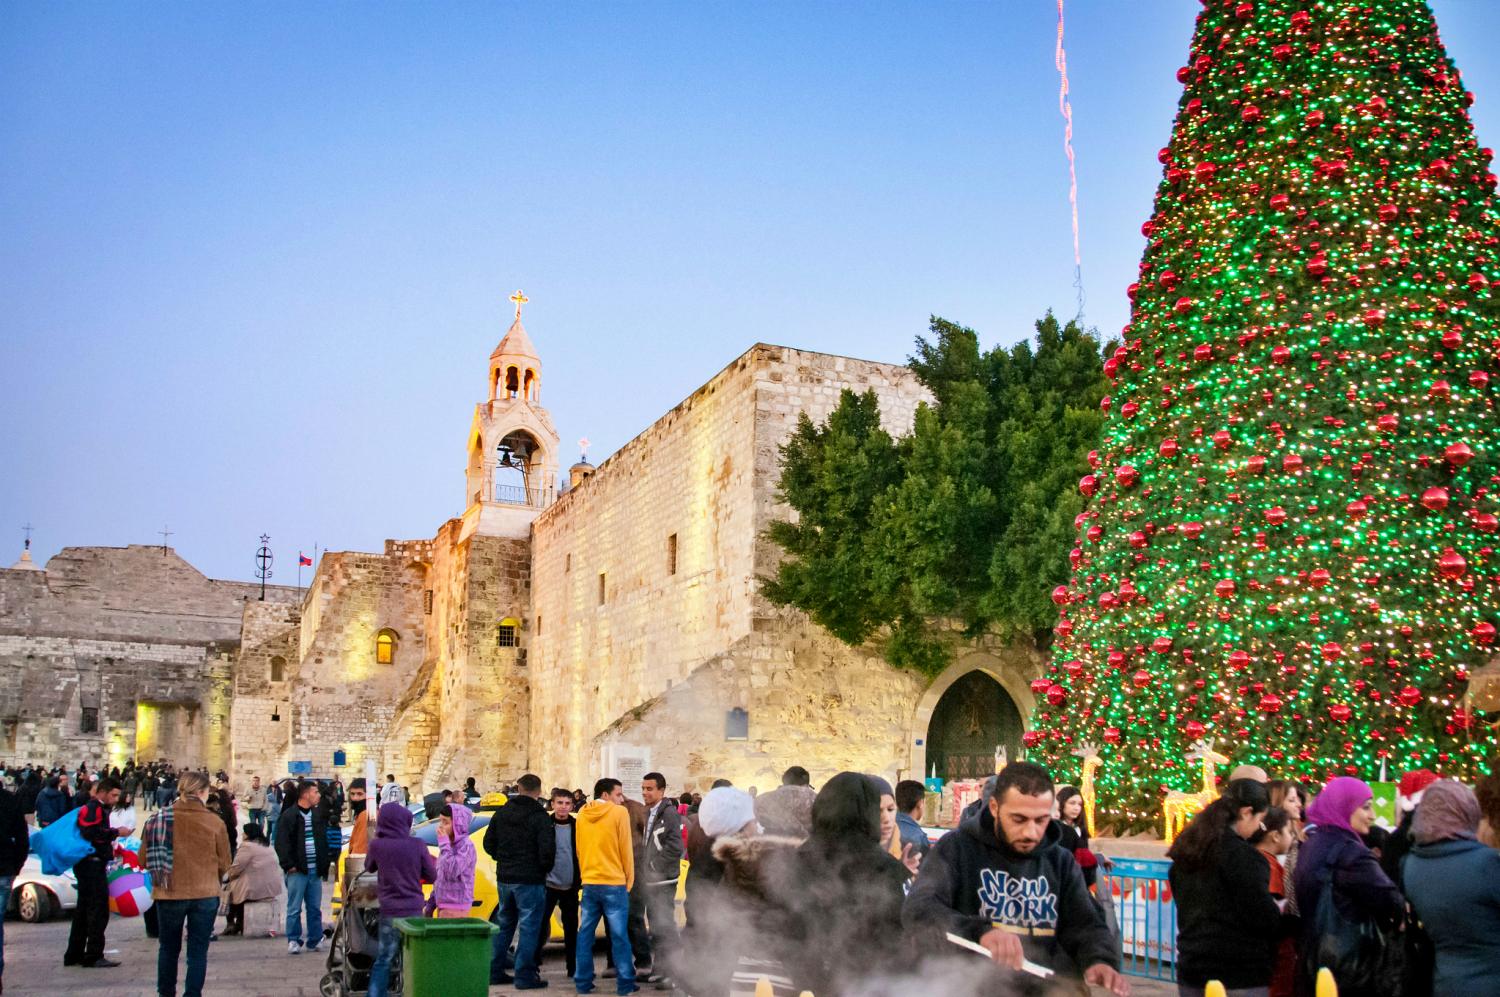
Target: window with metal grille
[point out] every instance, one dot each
(88, 720)
(506, 635)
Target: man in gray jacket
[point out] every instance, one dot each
(662, 865)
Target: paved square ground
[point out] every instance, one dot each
(237, 967)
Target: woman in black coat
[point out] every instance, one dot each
(1227, 922)
(848, 891)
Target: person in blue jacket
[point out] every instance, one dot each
(1453, 884)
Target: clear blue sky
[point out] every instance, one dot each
(253, 257)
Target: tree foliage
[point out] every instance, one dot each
(961, 526)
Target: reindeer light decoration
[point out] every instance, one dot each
(1091, 761)
(1179, 808)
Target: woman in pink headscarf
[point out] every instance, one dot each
(1334, 860)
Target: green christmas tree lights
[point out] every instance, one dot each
(1288, 542)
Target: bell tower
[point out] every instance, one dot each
(512, 469)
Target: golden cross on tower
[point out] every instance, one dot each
(520, 299)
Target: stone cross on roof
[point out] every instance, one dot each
(520, 299)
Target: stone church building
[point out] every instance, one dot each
(610, 625)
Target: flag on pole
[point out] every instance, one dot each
(303, 561)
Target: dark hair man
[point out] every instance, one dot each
(523, 844)
(563, 879)
(1002, 880)
(910, 795)
(606, 860)
(86, 939)
(796, 776)
(661, 866)
(302, 850)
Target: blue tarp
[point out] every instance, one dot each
(59, 845)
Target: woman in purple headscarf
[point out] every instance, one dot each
(1335, 858)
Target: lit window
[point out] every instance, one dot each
(278, 669)
(506, 636)
(385, 647)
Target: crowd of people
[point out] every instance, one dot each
(1272, 883)
(837, 890)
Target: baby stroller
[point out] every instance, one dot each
(355, 942)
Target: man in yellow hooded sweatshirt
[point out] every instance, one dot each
(606, 864)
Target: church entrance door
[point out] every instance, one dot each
(974, 716)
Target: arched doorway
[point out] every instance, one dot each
(971, 718)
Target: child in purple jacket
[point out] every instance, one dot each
(401, 865)
(453, 891)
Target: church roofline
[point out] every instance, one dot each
(741, 360)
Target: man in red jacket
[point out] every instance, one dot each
(86, 940)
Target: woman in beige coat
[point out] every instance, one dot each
(254, 879)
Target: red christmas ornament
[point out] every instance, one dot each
(1458, 454)
(1138, 539)
(1060, 595)
(1129, 409)
(1088, 484)
(1270, 703)
(1040, 685)
(1250, 113)
(1357, 509)
(1435, 498)
(1486, 522)
(1255, 464)
(1440, 390)
(1373, 317)
(1192, 529)
(1126, 476)
(1141, 679)
(1388, 212)
(1279, 202)
(1031, 738)
(1451, 564)
(1222, 439)
(1320, 577)
(1073, 667)
(1162, 645)
(1183, 306)
(1483, 632)
(1409, 696)
(1280, 354)
(1332, 651)
(1340, 712)
(1168, 447)
(1276, 515)
(1224, 588)
(1056, 695)
(1387, 423)
(1111, 735)
(1239, 659)
(1291, 462)
(1192, 730)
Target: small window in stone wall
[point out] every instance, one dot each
(427, 602)
(567, 563)
(506, 635)
(278, 669)
(88, 720)
(737, 725)
(385, 647)
(672, 554)
(602, 578)
(538, 624)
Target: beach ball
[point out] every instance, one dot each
(129, 892)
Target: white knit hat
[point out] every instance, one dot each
(725, 810)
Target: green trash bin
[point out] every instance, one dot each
(449, 956)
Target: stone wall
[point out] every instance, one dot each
(135, 636)
(614, 626)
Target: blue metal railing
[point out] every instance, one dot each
(1146, 915)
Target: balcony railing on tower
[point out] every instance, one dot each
(536, 498)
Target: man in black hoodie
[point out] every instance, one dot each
(15, 844)
(1002, 881)
(523, 844)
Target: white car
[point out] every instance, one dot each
(36, 896)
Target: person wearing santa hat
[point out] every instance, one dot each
(1408, 795)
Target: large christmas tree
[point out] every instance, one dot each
(1287, 548)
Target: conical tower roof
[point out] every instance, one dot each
(516, 343)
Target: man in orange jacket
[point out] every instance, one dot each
(606, 863)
